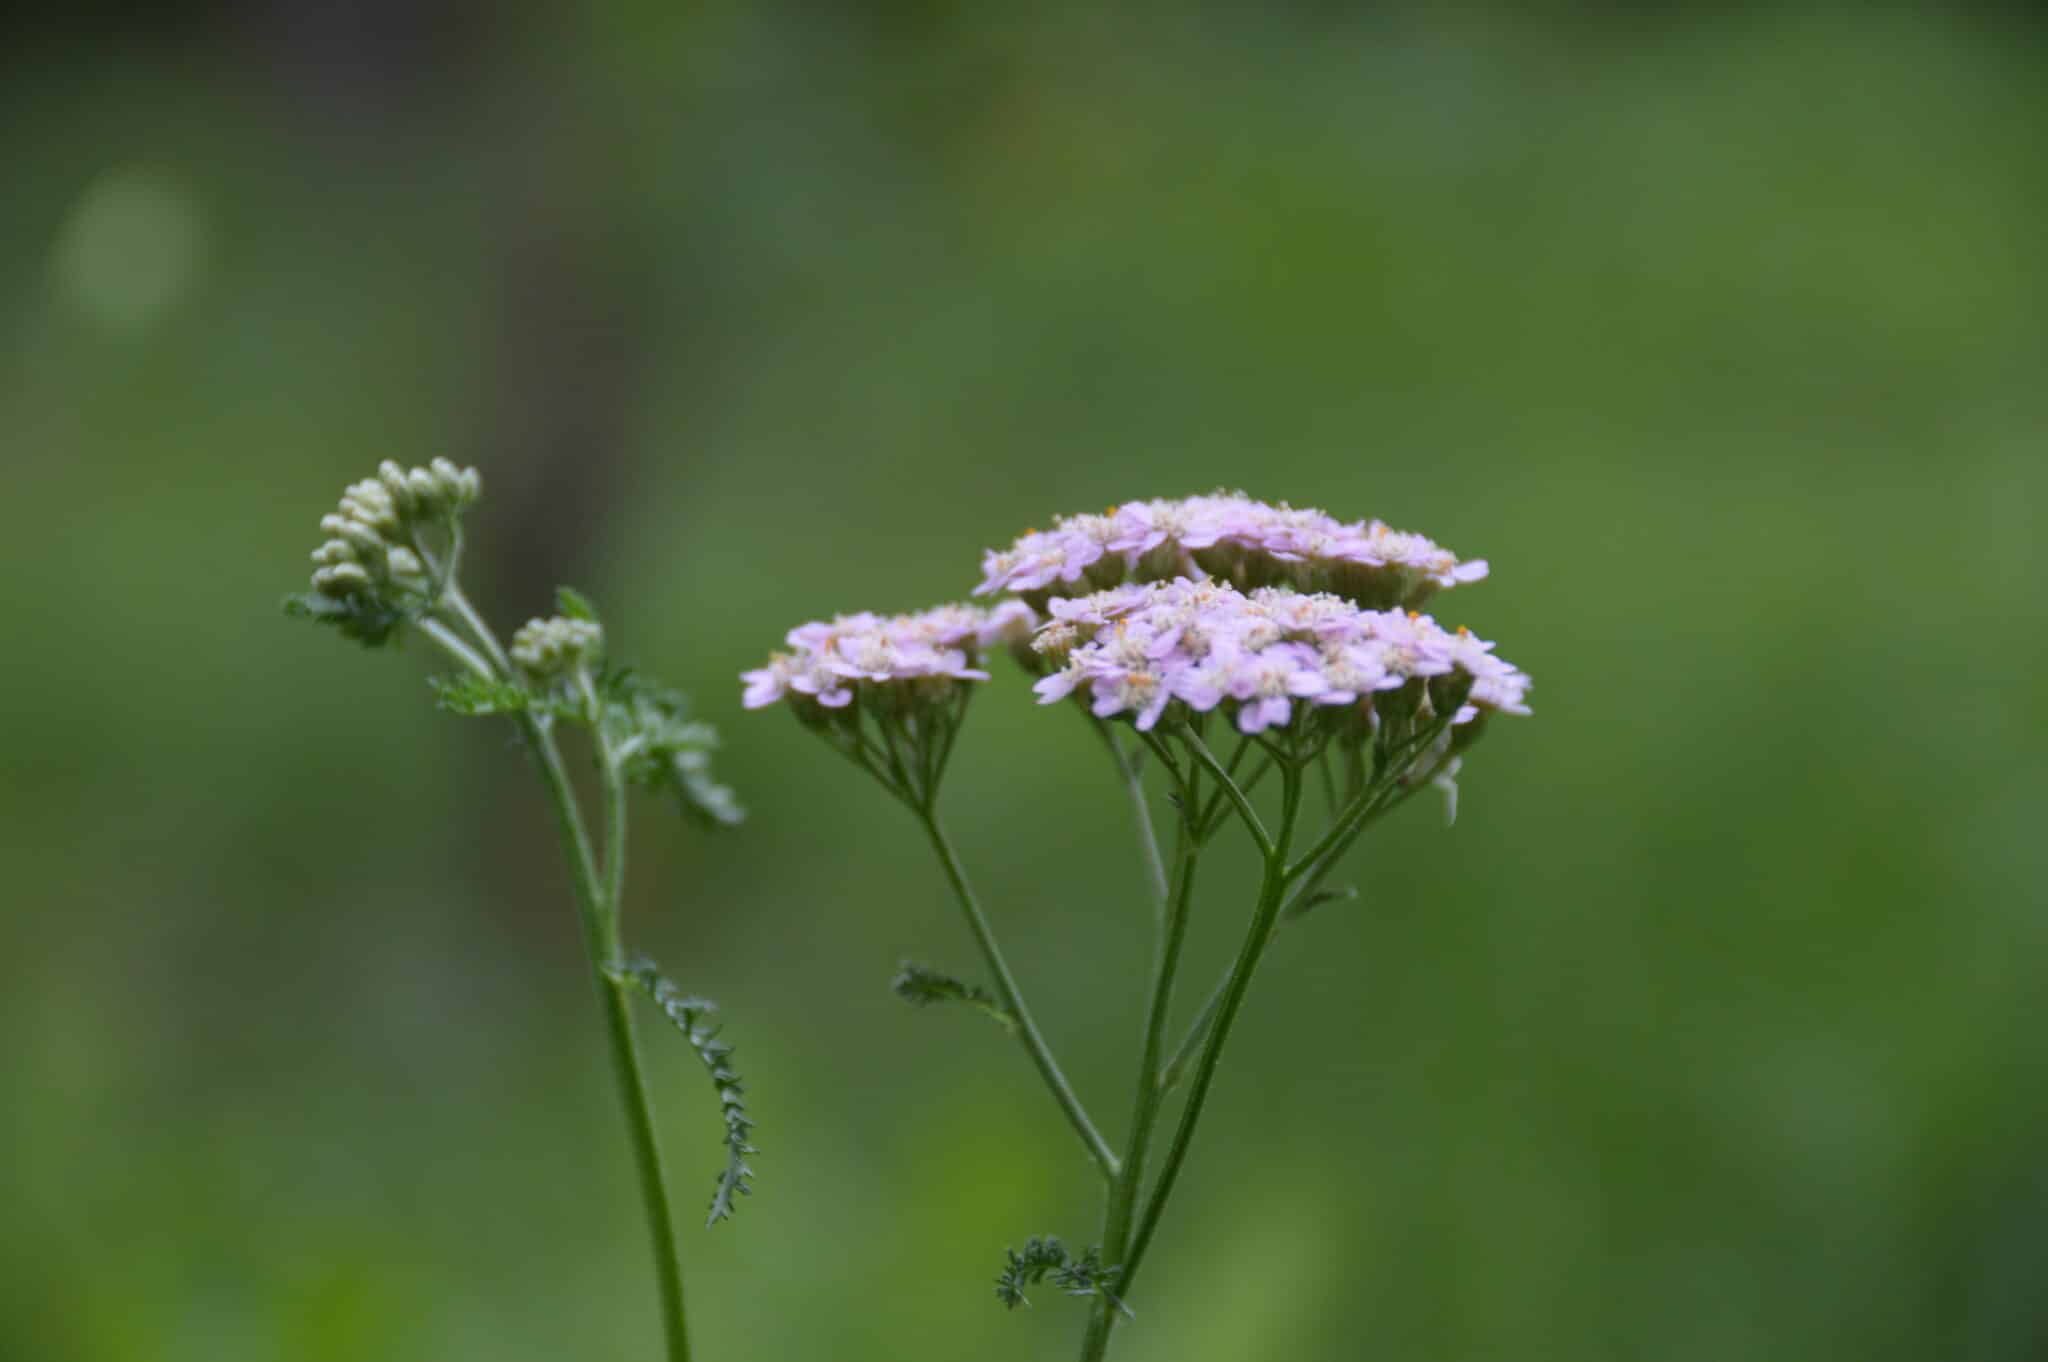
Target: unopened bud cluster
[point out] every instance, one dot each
(372, 548)
(557, 647)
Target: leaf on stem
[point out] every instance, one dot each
(668, 750)
(1046, 1257)
(1319, 898)
(574, 604)
(921, 986)
(359, 618)
(475, 696)
(689, 1014)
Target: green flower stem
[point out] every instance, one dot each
(453, 645)
(458, 604)
(1272, 891)
(1290, 910)
(1238, 799)
(1013, 1000)
(1130, 768)
(598, 905)
(1123, 1198)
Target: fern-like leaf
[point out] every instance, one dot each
(689, 1014)
(1046, 1257)
(368, 623)
(480, 695)
(670, 752)
(921, 986)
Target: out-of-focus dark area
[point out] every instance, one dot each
(1713, 1029)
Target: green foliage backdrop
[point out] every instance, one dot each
(1711, 1031)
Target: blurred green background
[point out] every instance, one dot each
(1713, 1030)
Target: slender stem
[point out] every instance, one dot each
(1131, 767)
(1170, 1076)
(1013, 1000)
(455, 647)
(454, 600)
(1290, 910)
(1123, 1197)
(1237, 797)
(598, 905)
(1257, 936)
(614, 857)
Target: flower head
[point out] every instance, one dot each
(922, 654)
(1233, 538)
(1263, 657)
(889, 690)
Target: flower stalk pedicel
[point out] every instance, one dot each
(1248, 652)
(390, 565)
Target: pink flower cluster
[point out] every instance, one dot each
(1232, 538)
(1137, 649)
(826, 661)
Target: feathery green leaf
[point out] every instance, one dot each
(480, 695)
(368, 623)
(1046, 1257)
(688, 1014)
(921, 986)
(668, 750)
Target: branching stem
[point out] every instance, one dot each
(1238, 799)
(598, 898)
(1130, 766)
(598, 905)
(1028, 1033)
(1123, 1197)
(1272, 889)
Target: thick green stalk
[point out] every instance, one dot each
(1272, 891)
(598, 905)
(1123, 1197)
(1013, 1001)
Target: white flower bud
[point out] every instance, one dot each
(393, 477)
(364, 539)
(403, 562)
(342, 580)
(552, 647)
(371, 503)
(334, 551)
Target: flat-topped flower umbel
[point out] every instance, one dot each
(1290, 639)
(1262, 657)
(1229, 537)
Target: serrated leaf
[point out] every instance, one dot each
(688, 1015)
(373, 626)
(921, 986)
(479, 695)
(1046, 1257)
(670, 751)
